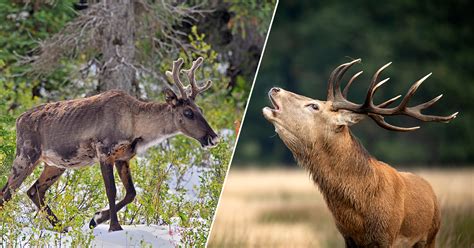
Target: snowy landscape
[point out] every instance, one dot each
(131, 236)
(183, 183)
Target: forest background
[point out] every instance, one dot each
(57, 50)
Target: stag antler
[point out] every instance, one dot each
(377, 112)
(195, 89)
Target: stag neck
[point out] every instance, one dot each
(335, 165)
(344, 153)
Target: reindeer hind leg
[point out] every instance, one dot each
(37, 192)
(23, 166)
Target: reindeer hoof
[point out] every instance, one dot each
(96, 220)
(92, 224)
(115, 228)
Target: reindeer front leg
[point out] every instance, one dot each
(107, 169)
(123, 169)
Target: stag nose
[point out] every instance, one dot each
(275, 90)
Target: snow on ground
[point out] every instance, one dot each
(135, 236)
(131, 236)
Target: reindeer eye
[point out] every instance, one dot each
(188, 113)
(313, 106)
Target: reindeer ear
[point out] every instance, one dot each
(348, 118)
(170, 97)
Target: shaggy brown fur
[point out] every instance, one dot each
(109, 128)
(373, 205)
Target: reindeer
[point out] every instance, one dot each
(373, 204)
(108, 128)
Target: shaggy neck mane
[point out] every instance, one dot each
(151, 107)
(342, 170)
(153, 121)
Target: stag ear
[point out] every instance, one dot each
(170, 97)
(348, 118)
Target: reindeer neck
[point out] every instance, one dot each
(154, 122)
(342, 169)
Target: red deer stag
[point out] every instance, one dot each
(373, 205)
(109, 128)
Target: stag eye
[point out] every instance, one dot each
(188, 113)
(313, 106)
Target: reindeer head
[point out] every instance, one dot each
(187, 116)
(300, 120)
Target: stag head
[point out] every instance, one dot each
(299, 119)
(188, 116)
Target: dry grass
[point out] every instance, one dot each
(282, 208)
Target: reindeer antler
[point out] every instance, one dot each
(174, 74)
(377, 112)
(195, 89)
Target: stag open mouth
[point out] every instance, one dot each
(276, 107)
(271, 113)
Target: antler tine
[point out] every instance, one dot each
(373, 86)
(388, 102)
(332, 77)
(372, 91)
(346, 89)
(337, 86)
(195, 89)
(411, 92)
(428, 103)
(380, 120)
(418, 115)
(190, 73)
(175, 75)
(340, 100)
(379, 84)
(415, 112)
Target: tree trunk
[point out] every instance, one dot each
(118, 49)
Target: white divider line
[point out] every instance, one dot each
(243, 121)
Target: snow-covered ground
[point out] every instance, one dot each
(131, 236)
(135, 236)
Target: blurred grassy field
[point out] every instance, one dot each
(282, 208)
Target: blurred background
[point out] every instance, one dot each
(309, 39)
(269, 201)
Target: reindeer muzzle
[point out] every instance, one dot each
(209, 141)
